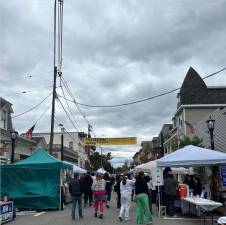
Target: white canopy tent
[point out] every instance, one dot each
(77, 169)
(152, 165)
(101, 171)
(192, 156)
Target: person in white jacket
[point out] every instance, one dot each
(126, 187)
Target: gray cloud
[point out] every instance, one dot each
(113, 52)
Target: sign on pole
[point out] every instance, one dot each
(110, 141)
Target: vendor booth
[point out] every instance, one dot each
(76, 169)
(193, 156)
(152, 165)
(101, 171)
(35, 182)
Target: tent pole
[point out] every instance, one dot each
(159, 199)
(60, 189)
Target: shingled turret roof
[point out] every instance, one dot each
(194, 91)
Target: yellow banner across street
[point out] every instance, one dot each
(110, 141)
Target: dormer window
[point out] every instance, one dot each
(3, 119)
(178, 100)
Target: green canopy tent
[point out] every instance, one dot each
(34, 182)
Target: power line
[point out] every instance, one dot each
(68, 115)
(36, 75)
(76, 105)
(138, 101)
(44, 112)
(28, 91)
(70, 109)
(72, 96)
(32, 108)
(78, 142)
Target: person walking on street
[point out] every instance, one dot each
(88, 195)
(99, 194)
(76, 191)
(170, 188)
(126, 187)
(142, 202)
(149, 183)
(117, 191)
(109, 182)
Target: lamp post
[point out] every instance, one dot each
(210, 124)
(62, 142)
(13, 139)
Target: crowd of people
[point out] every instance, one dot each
(96, 191)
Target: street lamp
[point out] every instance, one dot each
(62, 141)
(210, 124)
(13, 139)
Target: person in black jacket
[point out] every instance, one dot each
(142, 201)
(88, 194)
(197, 187)
(76, 190)
(117, 190)
(170, 188)
(109, 182)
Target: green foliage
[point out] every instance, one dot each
(95, 161)
(187, 141)
(144, 155)
(125, 167)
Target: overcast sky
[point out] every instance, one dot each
(113, 52)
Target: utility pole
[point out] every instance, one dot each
(89, 137)
(53, 112)
(54, 83)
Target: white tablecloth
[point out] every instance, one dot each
(205, 204)
(222, 220)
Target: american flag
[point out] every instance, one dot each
(29, 132)
(190, 128)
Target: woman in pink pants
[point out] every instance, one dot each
(99, 194)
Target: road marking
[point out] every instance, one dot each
(183, 218)
(38, 214)
(25, 213)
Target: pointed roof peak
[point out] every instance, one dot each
(193, 78)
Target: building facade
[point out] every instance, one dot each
(195, 101)
(24, 147)
(74, 152)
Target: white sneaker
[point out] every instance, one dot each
(127, 219)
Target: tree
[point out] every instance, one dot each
(188, 141)
(95, 161)
(145, 154)
(196, 141)
(124, 168)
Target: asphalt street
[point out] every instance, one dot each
(110, 218)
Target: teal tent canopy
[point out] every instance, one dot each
(34, 182)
